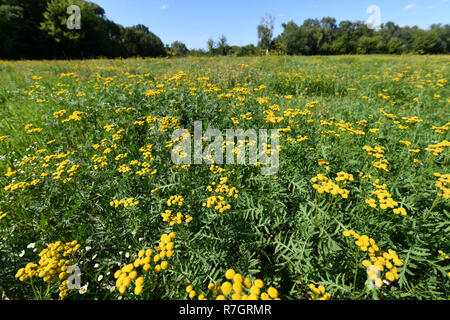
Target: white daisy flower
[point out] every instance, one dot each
(83, 289)
(96, 265)
(22, 253)
(99, 278)
(31, 245)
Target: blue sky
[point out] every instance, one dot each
(195, 21)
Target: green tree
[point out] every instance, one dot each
(139, 41)
(211, 47)
(20, 36)
(265, 32)
(427, 41)
(248, 50)
(222, 46)
(90, 40)
(179, 49)
(367, 45)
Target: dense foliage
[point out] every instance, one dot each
(326, 37)
(37, 29)
(359, 208)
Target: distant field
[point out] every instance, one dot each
(92, 205)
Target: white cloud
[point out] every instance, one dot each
(165, 6)
(411, 6)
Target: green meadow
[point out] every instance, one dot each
(93, 207)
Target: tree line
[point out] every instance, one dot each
(38, 29)
(326, 37)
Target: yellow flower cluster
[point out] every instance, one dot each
(121, 156)
(60, 114)
(218, 202)
(124, 109)
(443, 255)
(238, 288)
(438, 148)
(110, 127)
(118, 135)
(344, 177)
(168, 123)
(319, 293)
(75, 116)
(27, 160)
(70, 74)
(270, 117)
(58, 156)
(322, 162)
(443, 184)
(177, 218)
(328, 186)
(181, 168)
(153, 93)
(385, 199)
(412, 120)
(175, 200)
(247, 116)
(223, 188)
(381, 164)
(60, 170)
(2, 215)
(129, 272)
(216, 169)
(146, 169)
(378, 259)
(100, 160)
(21, 185)
(441, 130)
(365, 176)
(71, 172)
(3, 138)
(130, 202)
(378, 153)
(406, 143)
(387, 115)
(52, 266)
(347, 127)
(299, 139)
(124, 168)
(34, 130)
